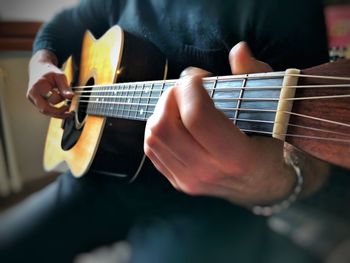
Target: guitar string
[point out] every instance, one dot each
(257, 76)
(222, 99)
(135, 90)
(95, 88)
(286, 134)
(223, 109)
(145, 112)
(271, 133)
(298, 136)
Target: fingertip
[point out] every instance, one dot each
(68, 94)
(64, 88)
(242, 60)
(240, 52)
(189, 71)
(241, 46)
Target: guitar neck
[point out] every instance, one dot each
(250, 101)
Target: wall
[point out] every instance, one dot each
(28, 127)
(31, 10)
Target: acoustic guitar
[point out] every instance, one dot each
(309, 108)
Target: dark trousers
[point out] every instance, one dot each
(162, 225)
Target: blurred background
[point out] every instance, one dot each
(22, 136)
(320, 225)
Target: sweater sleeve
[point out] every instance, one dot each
(63, 34)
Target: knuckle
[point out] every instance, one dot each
(192, 188)
(150, 144)
(194, 117)
(28, 94)
(206, 177)
(159, 128)
(44, 110)
(147, 151)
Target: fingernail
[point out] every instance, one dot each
(186, 72)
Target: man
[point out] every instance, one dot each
(189, 212)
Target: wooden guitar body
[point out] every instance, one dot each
(101, 144)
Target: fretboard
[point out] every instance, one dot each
(250, 101)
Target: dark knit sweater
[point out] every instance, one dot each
(200, 32)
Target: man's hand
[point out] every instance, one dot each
(48, 85)
(202, 152)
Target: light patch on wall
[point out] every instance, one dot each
(31, 10)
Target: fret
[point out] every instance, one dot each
(154, 97)
(162, 89)
(263, 118)
(134, 102)
(227, 89)
(168, 84)
(114, 93)
(118, 93)
(100, 106)
(122, 96)
(150, 90)
(132, 90)
(239, 100)
(105, 101)
(111, 101)
(90, 106)
(128, 101)
(138, 109)
(95, 105)
(97, 109)
(213, 88)
(143, 101)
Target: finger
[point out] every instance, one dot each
(45, 108)
(55, 97)
(165, 125)
(63, 87)
(173, 169)
(160, 166)
(184, 178)
(242, 61)
(195, 71)
(219, 137)
(39, 90)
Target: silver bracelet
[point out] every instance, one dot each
(276, 208)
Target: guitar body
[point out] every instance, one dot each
(99, 144)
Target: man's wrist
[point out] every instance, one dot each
(44, 56)
(286, 201)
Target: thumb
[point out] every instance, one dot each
(242, 61)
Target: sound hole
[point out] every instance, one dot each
(73, 125)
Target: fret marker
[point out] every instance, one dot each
(129, 100)
(141, 112)
(146, 90)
